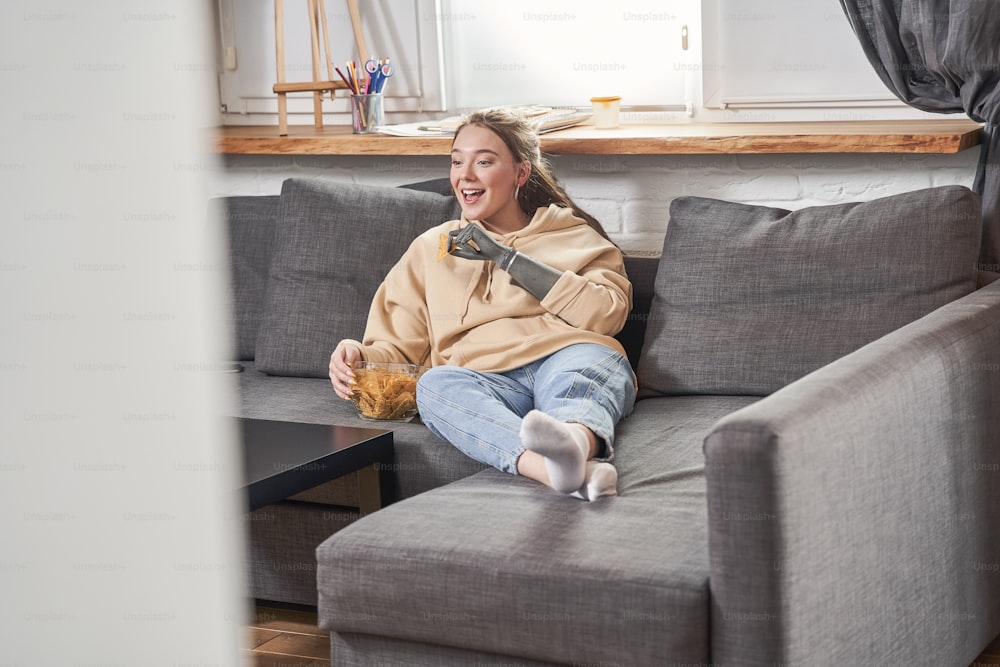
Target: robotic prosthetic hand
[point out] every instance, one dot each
(471, 242)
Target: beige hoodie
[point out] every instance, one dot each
(468, 313)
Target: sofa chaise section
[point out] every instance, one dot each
(500, 567)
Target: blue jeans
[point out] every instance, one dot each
(480, 413)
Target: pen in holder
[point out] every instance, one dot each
(367, 114)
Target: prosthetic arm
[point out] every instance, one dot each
(472, 242)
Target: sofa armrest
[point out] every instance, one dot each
(854, 515)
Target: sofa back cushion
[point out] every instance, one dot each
(249, 225)
(750, 298)
(333, 245)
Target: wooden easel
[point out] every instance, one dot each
(317, 19)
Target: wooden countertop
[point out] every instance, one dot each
(948, 135)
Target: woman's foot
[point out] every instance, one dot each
(601, 480)
(565, 448)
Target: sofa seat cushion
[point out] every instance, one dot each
(333, 245)
(422, 460)
(750, 298)
(500, 564)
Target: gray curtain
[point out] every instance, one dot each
(943, 56)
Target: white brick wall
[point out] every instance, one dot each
(631, 194)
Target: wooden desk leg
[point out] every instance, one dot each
(370, 489)
(314, 43)
(282, 115)
(279, 58)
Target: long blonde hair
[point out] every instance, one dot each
(541, 188)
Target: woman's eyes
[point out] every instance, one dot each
(480, 163)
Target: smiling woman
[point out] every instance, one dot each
(515, 312)
(488, 139)
(487, 180)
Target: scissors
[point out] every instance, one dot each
(378, 72)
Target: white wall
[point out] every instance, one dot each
(119, 515)
(631, 194)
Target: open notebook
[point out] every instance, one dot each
(546, 119)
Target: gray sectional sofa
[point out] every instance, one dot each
(811, 474)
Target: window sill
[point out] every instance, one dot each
(912, 136)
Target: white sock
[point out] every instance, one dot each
(601, 480)
(564, 447)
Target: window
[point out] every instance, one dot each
(562, 54)
(764, 60)
(672, 61)
(405, 31)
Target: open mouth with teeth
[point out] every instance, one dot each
(470, 196)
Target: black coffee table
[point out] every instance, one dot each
(285, 458)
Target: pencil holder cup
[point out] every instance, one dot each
(606, 111)
(367, 113)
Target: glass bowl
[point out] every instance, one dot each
(385, 391)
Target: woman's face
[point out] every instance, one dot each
(485, 176)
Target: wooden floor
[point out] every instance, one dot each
(991, 656)
(290, 638)
(287, 638)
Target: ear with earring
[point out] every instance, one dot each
(517, 186)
